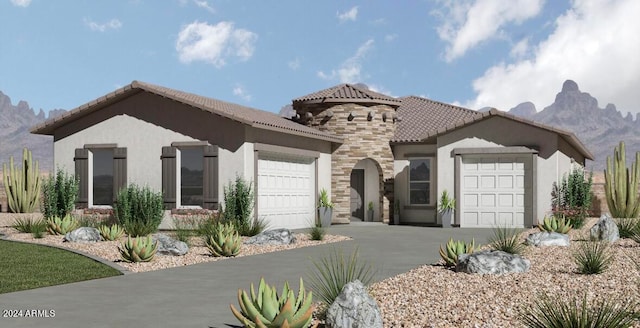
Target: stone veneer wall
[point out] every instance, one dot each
(363, 139)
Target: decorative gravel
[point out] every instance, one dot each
(435, 296)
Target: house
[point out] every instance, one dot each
(362, 146)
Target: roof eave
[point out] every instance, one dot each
(348, 101)
(333, 139)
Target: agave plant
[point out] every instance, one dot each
(554, 224)
(455, 249)
(224, 241)
(113, 232)
(268, 310)
(139, 249)
(58, 226)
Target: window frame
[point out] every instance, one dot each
(430, 160)
(178, 173)
(91, 177)
(84, 162)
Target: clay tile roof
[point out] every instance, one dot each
(421, 116)
(250, 116)
(346, 93)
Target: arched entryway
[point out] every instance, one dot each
(366, 191)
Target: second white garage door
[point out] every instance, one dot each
(286, 191)
(493, 191)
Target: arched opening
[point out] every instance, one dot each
(366, 190)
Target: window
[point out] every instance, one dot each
(102, 176)
(420, 181)
(191, 176)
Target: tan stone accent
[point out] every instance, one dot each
(363, 139)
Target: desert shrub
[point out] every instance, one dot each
(454, 249)
(38, 229)
(59, 194)
(317, 232)
(252, 227)
(593, 257)
(25, 225)
(139, 210)
(185, 228)
(238, 205)
(333, 272)
(571, 197)
(627, 227)
(548, 312)
(507, 240)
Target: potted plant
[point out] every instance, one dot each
(370, 211)
(325, 209)
(396, 212)
(446, 207)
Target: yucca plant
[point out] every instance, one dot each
(627, 227)
(60, 226)
(225, 240)
(333, 272)
(593, 257)
(113, 232)
(507, 240)
(25, 225)
(555, 224)
(268, 309)
(549, 312)
(38, 228)
(138, 249)
(454, 249)
(317, 232)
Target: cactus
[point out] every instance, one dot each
(22, 185)
(554, 224)
(113, 232)
(621, 185)
(225, 241)
(58, 226)
(455, 249)
(267, 309)
(139, 249)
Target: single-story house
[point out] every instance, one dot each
(367, 149)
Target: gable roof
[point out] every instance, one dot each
(346, 93)
(250, 116)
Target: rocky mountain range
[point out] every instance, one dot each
(601, 129)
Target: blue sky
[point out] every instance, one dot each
(475, 53)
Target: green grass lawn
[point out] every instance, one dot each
(28, 266)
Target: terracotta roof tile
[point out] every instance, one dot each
(344, 93)
(250, 116)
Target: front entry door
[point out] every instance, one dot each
(357, 194)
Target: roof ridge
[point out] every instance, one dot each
(442, 103)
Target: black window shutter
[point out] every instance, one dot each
(119, 171)
(210, 185)
(169, 177)
(81, 160)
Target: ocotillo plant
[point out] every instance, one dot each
(22, 185)
(621, 185)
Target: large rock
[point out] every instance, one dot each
(492, 262)
(605, 229)
(83, 235)
(354, 308)
(547, 239)
(170, 246)
(272, 237)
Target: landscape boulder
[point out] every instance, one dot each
(492, 262)
(83, 235)
(272, 237)
(545, 238)
(170, 246)
(354, 308)
(605, 229)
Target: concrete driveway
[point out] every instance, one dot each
(199, 295)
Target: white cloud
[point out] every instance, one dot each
(294, 64)
(205, 5)
(594, 43)
(349, 15)
(520, 49)
(241, 92)
(113, 24)
(214, 43)
(390, 37)
(468, 23)
(351, 69)
(21, 3)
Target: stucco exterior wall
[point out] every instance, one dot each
(413, 214)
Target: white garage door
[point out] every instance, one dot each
(492, 192)
(286, 191)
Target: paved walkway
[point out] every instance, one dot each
(199, 295)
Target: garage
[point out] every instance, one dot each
(495, 191)
(286, 191)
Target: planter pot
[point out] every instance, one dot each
(370, 215)
(447, 216)
(325, 214)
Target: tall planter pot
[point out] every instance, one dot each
(325, 214)
(447, 216)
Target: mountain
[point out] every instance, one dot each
(600, 129)
(15, 122)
